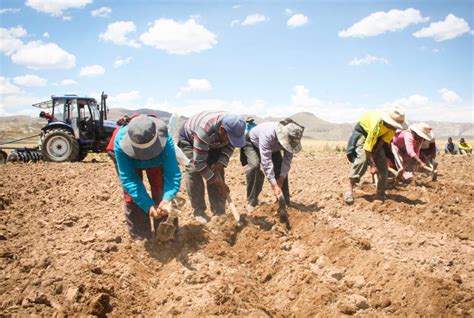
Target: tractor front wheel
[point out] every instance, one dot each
(59, 145)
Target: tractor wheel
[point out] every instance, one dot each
(3, 157)
(59, 145)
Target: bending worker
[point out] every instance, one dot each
(144, 145)
(365, 147)
(406, 147)
(264, 145)
(208, 140)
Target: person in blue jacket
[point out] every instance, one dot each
(145, 146)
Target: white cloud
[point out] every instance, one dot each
(303, 101)
(56, 7)
(297, 20)
(9, 10)
(301, 97)
(254, 19)
(195, 85)
(30, 80)
(234, 22)
(20, 104)
(10, 39)
(179, 38)
(92, 71)
(66, 82)
(449, 96)
(102, 12)
(412, 101)
(450, 28)
(46, 35)
(6, 87)
(117, 33)
(129, 100)
(421, 108)
(236, 6)
(368, 59)
(39, 55)
(288, 11)
(381, 22)
(66, 18)
(121, 61)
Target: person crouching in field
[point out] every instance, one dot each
(208, 140)
(264, 145)
(464, 147)
(365, 147)
(143, 145)
(406, 147)
(451, 147)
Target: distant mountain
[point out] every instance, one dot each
(14, 127)
(117, 113)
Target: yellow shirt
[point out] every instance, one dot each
(464, 146)
(372, 123)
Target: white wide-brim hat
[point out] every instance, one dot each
(395, 117)
(423, 130)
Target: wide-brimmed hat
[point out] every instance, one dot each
(289, 135)
(145, 137)
(234, 126)
(395, 117)
(423, 130)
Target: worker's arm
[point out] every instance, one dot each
(266, 160)
(171, 172)
(132, 184)
(200, 154)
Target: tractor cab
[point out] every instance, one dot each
(76, 125)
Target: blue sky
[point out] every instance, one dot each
(336, 59)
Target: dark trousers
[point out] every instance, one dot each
(255, 176)
(138, 221)
(195, 182)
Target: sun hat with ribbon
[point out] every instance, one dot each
(423, 130)
(145, 137)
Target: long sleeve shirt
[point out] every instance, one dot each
(264, 137)
(132, 183)
(202, 131)
(407, 141)
(373, 125)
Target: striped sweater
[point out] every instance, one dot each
(201, 130)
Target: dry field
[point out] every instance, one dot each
(65, 250)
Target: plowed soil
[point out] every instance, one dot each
(65, 250)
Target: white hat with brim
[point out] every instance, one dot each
(423, 130)
(145, 137)
(289, 136)
(395, 117)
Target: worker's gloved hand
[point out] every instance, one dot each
(164, 206)
(156, 212)
(276, 190)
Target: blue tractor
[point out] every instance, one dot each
(76, 126)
